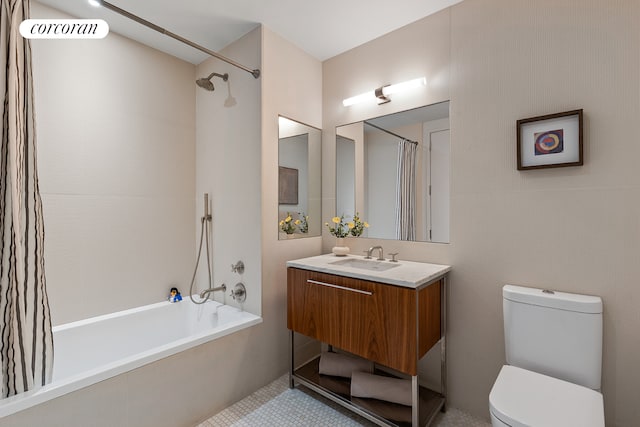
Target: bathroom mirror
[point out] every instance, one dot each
(400, 188)
(299, 183)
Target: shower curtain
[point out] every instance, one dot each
(26, 344)
(406, 191)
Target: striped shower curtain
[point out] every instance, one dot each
(406, 191)
(26, 344)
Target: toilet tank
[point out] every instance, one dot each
(554, 333)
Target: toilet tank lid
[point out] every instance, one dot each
(553, 299)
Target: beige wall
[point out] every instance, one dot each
(292, 87)
(116, 136)
(572, 229)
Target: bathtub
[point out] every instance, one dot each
(92, 350)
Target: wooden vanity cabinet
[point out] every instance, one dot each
(393, 326)
(389, 324)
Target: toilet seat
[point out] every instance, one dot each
(522, 398)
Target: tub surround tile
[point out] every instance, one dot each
(74, 409)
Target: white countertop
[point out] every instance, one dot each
(409, 274)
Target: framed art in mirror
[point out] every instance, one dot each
(287, 186)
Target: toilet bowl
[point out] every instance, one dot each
(524, 398)
(553, 343)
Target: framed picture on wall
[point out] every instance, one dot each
(550, 141)
(287, 186)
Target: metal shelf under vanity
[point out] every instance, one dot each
(337, 389)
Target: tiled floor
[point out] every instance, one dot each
(277, 405)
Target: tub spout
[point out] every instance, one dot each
(206, 292)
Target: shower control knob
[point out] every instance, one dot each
(238, 267)
(239, 293)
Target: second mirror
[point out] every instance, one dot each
(299, 183)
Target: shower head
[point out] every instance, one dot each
(205, 82)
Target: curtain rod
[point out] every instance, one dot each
(255, 73)
(390, 133)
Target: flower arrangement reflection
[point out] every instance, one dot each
(341, 228)
(304, 222)
(357, 226)
(289, 225)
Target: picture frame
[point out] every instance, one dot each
(550, 141)
(287, 186)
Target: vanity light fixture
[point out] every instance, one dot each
(381, 94)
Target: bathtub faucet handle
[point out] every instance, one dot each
(239, 292)
(238, 267)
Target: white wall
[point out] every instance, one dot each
(572, 229)
(228, 168)
(116, 136)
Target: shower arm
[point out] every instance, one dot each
(255, 73)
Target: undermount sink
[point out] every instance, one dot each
(365, 264)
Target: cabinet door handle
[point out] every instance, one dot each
(315, 282)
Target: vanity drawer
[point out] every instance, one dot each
(373, 320)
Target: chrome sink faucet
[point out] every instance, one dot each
(380, 254)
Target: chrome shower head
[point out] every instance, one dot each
(206, 83)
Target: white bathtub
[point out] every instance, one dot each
(92, 350)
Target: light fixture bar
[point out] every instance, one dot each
(404, 86)
(381, 94)
(359, 98)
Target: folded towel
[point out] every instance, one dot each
(342, 365)
(379, 387)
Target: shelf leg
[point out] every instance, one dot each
(291, 359)
(443, 343)
(415, 401)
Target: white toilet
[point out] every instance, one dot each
(553, 343)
